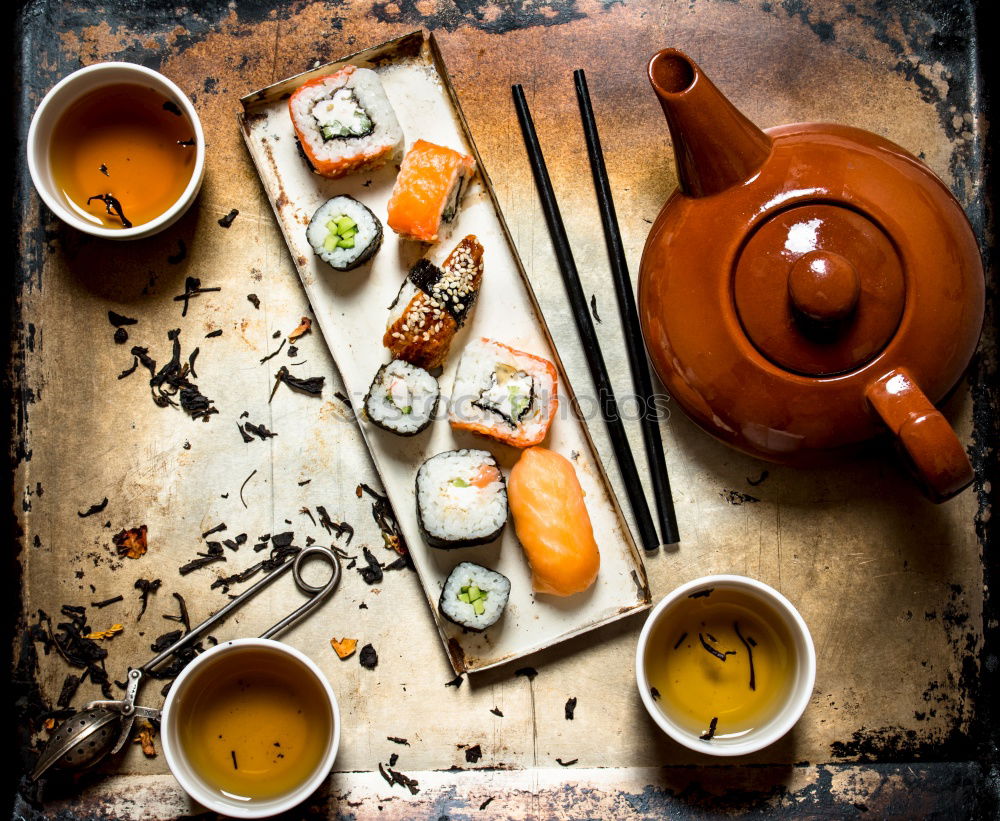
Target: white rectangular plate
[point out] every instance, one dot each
(351, 309)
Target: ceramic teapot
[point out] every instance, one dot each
(807, 287)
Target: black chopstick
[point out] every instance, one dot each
(585, 326)
(630, 318)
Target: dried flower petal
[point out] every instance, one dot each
(344, 647)
(304, 326)
(131, 543)
(112, 631)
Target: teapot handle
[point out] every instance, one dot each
(934, 451)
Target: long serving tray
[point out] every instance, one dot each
(351, 309)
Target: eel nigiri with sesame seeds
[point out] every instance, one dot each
(433, 304)
(428, 191)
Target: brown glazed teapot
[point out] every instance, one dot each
(808, 286)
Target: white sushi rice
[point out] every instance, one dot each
(454, 511)
(402, 398)
(475, 376)
(368, 231)
(495, 585)
(385, 140)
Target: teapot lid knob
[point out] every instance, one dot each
(824, 287)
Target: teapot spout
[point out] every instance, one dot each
(715, 146)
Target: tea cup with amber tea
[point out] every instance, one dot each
(250, 728)
(725, 665)
(116, 150)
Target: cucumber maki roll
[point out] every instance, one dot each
(344, 233)
(474, 597)
(402, 398)
(461, 499)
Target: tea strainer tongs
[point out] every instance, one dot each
(102, 728)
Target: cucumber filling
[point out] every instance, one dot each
(473, 595)
(341, 231)
(342, 116)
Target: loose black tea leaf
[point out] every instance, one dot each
(145, 588)
(473, 754)
(759, 480)
(213, 334)
(166, 640)
(254, 300)
(102, 604)
(293, 351)
(272, 355)
(593, 308)
(372, 574)
(103, 169)
(282, 540)
(385, 518)
(746, 643)
(90, 511)
(528, 672)
(191, 358)
(192, 288)
(570, 708)
(171, 106)
(680, 640)
(496, 711)
(180, 256)
(654, 693)
(233, 754)
(244, 501)
(393, 759)
(217, 529)
(368, 657)
(569, 763)
(188, 143)
(197, 564)
(343, 399)
(70, 685)
(182, 615)
(130, 371)
(332, 527)
(709, 734)
(397, 740)
(246, 436)
(486, 803)
(701, 594)
(734, 497)
(112, 206)
(227, 220)
(718, 654)
(259, 431)
(121, 336)
(313, 385)
(118, 320)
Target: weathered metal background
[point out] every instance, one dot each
(897, 591)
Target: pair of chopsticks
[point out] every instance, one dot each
(585, 325)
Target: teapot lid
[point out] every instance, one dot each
(819, 288)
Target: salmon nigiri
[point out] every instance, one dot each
(428, 191)
(552, 523)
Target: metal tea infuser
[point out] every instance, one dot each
(102, 728)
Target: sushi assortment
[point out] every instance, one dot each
(461, 499)
(345, 123)
(432, 304)
(504, 393)
(428, 191)
(344, 233)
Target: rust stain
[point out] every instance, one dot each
(457, 653)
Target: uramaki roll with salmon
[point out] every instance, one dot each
(461, 499)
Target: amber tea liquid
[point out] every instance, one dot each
(726, 656)
(126, 140)
(255, 724)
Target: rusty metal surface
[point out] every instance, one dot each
(896, 591)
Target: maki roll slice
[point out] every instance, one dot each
(504, 393)
(402, 398)
(474, 597)
(344, 233)
(461, 499)
(433, 303)
(428, 191)
(344, 122)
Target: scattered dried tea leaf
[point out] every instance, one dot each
(111, 632)
(90, 511)
(395, 739)
(131, 543)
(368, 657)
(227, 220)
(344, 647)
(497, 712)
(569, 763)
(528, 672)
(254, 300)
(570, 708)
(304, 327)
(313, 385)
(473, 754)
